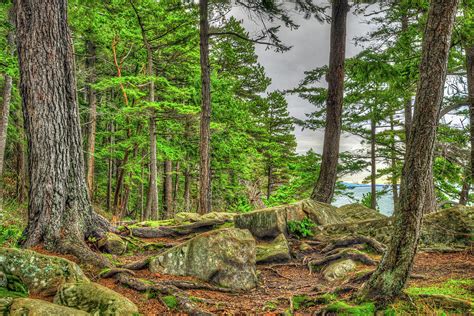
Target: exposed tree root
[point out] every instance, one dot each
(355, 240)
(343, 254)
(188, 285)
(173, 231)
(114, 271)
(137, 265)
(123, 276)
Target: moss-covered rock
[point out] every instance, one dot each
(351, 213)
(95, 299)
(41, 274)
(113, 244)
(32, 307)
(225, 257)
(275, 250)
(182, 217)
(339, 269)
(320, 213)
(222, 216)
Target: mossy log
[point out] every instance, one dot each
(179, 230)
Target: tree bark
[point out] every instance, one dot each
(187, 190)
(110, 167)
(393, 164)
(324, 188)
(391, 275)
(466, 184)
(6, 98)
(470, 88)
(168, 189)
(373, 164)
(176, 186)
(205, 130)
(92, 98)
(59, 209)
(270, 180)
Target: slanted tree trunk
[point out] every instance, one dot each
(391, 275)
(373, 165)
(205, 131)
(324, 188)
(59, 210)
(92, 98)
(6, 98)
(430, 205)
(168, 189)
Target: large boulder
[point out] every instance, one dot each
(41, 274)
(275, 250)
(271, 222)
(265, 223)
(225, 257)
(95, 299)
(355, 212)
(339, 269)
(220, 216)
(113, 244)
(32, 307)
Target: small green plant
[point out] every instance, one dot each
(9, 235)
(301, 228)
(170, 301)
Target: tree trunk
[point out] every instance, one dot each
(324, 188)
(393, 165)
(187, 190)
(176, 186)
(91, 95)
(205, 131)
(110, 167)
(168, 189)
(470, 88)
(6, 98)
(430, 205)
(466, 184)
(270, 180)
(373, 165)
(392, 273)
(21, 178)
(59, 208)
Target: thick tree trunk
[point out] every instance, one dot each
(466, 185)
(59, 208)
(470, 88)
(205, 131)
(6, 98)
(430, 205)
(373, 165)
(92, 98)
(110, 167)
(168, 189)
(392, 273)
(324, 188)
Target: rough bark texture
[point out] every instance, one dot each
(205, 132)
(176, 186)
(168, 189)
(324, 189)
(92, 98)
(470, 87)
(393, 165)
(59, 207)
(6, 98)
(391, 275)
(187, 190)
(21, 172)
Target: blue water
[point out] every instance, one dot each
(384, 199)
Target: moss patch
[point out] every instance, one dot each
(170, 301)
(461, 289)
(343, 308)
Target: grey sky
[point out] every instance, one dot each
(310, 49)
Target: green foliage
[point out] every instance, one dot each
(301, 228)
(9, 235)
(343, 308)
(170, 301)
(457, 288)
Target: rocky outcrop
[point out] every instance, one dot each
(339, 269)
(40, 274)
(225, 257)
(453, 226)
(32, 307)
(275, 250)
(113, 244)
(351, 213)
(271, 222)
(95, 299)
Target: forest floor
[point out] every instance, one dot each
(281, 284)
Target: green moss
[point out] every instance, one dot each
(226, 225)
(303, 301)
(343, 308)
(8, 293)
(270, 306)
(460, 289)
(299, 301)
(167, 222)
(170, 301)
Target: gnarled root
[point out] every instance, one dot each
(355, 240)
(343, 254)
